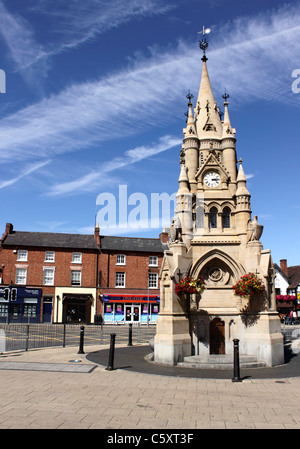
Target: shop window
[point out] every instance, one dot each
(21, 275)
(121, 259)
(153, 261)
(3, 310)
(75, 277)
(49, 256)
(76, 257)
(152, 280)
(120, 279)
(23, 255)
(30, 311)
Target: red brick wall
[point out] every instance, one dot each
(136, 274)
(136, 270)
(36, 262)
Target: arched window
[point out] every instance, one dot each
(213, 217)
(226, 218)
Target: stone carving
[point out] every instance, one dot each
(174, 231)
(182, 156)
(256, 230)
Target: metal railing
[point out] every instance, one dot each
(15, 337)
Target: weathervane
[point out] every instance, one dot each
(203, 44)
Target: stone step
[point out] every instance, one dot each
(219, 361)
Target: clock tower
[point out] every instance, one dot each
(213, 236)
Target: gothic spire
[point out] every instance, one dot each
(208, 119)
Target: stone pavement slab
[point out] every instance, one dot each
(128, 399)
(71, 367)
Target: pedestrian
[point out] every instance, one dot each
(291, 317)
(294, 317)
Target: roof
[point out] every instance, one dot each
(294, 276)
(50, 240)
(82, 241)
(132, 244)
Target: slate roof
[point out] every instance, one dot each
(23, 239)
(50, 240)
(110, 243)
(294, 276)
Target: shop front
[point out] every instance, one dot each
(74, 305)
(130, 308)
(20, 304)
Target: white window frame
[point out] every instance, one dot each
(153, 262)
(21, 278)
(76, 257)
(22, 255)
(152, 280)
(48, 280)
(50, 256)
(120, 279)
(77, 282)
(121, 259)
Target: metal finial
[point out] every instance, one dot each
(225, 96)
(203, 44)
(189, 96)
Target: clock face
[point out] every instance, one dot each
(212, 179)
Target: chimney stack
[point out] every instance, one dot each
(283, 266)
(164, 236)
(9, 228)
(97, 234)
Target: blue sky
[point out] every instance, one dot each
(96, 95)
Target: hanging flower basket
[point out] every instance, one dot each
(285, 297)
(248, 285)
(190, 285)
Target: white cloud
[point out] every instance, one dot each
(102, 175)
(78, 22)
(251, 64)
(25, 51)
(30, 169)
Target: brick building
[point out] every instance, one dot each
(128, 278)
(67, 278)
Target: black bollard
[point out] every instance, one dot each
(130, 335)
(236, 361)
(81, 340)
(110, 366)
